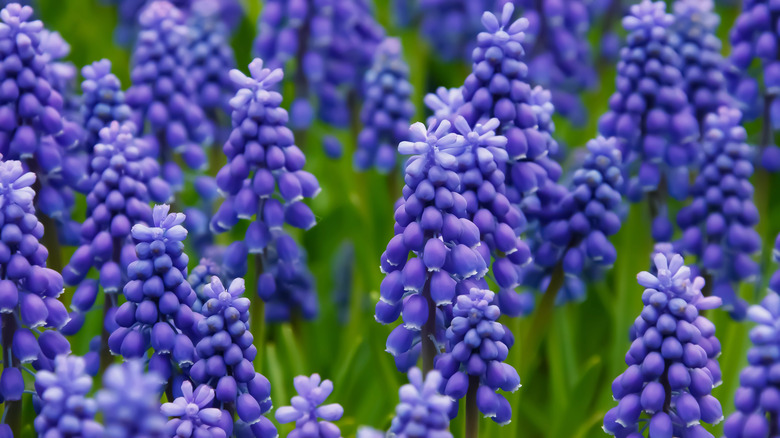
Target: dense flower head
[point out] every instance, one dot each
(103, 101)
(422, 411)
(497, 88)
(157, 312)
(123, 179)
(560, 55)
(129, 402)
(200, 276)
(65, 409)
(225, 355)
(719, 224)
(264, 179)
(28, 289)
(672, 361)
(333, 43)
(693, 36)
(192, 414)
(163, 94)
(477, 346)
(481, 169)
(755, 399)
(212, 55)
(575, 233)
(312, 419)
(649, 114)
(387, 109)
(431, 222)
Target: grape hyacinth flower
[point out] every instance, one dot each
(757, 407)
(212, 57)
(157, 313)
(264, 178)
(422, 410)
(387, 109)
(481, 168)
(473, 365)
(650, 116)
(719, 224)
(444, 104)
(225, 355)
(192, 414)
(672, 362)
(574, 236)
(311, 419)
(163, 94)
(124, 180)
(62, 74)
(333, 44)
(431, 222)
(65, 410)
(693, 36)
(103, 101)
(199, 277)
(130, 402)
(497, 88)
(28, 289)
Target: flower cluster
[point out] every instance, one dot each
(163, 93)
(192, 414)
(311, 419)
(422, 410)
(432, 223)
(65, 410)
(387, 109)
(481, 169)
(333, 43)
(757, 406)
(560, 58)
(575, 233)
(477, 346)
(264, 178)
(28, 289)
(124, 179)
(672, 365)
(130, 402)
(158, 311)
(693, 36)
(649, 114)
(212, 56)
(497, 88)
(719, 224)
(225, 355)
(103, 101)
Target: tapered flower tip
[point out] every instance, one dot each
(444, 103)
(95, 71)
(159, 11)
(16, 15)
(260, 79)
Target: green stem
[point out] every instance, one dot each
(428, 333)
(13, 413)
(543, 316)
(472, 412)
(257, 312)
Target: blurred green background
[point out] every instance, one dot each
(566, 386)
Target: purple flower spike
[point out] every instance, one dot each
(130, 401)
(103, 102)
(672, 362)
(719, 224)
(422, 410)
(575, 231)
(264, 178)
(311, 419)
(387, 109)
(163, 94)
(432, 223)
(333, 43)
(477, 345)
(650, 114)
(695, 23)
(65, 410)
(192, 414)
(225, 354)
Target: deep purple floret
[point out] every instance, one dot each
(312, 418)
(672, 361)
